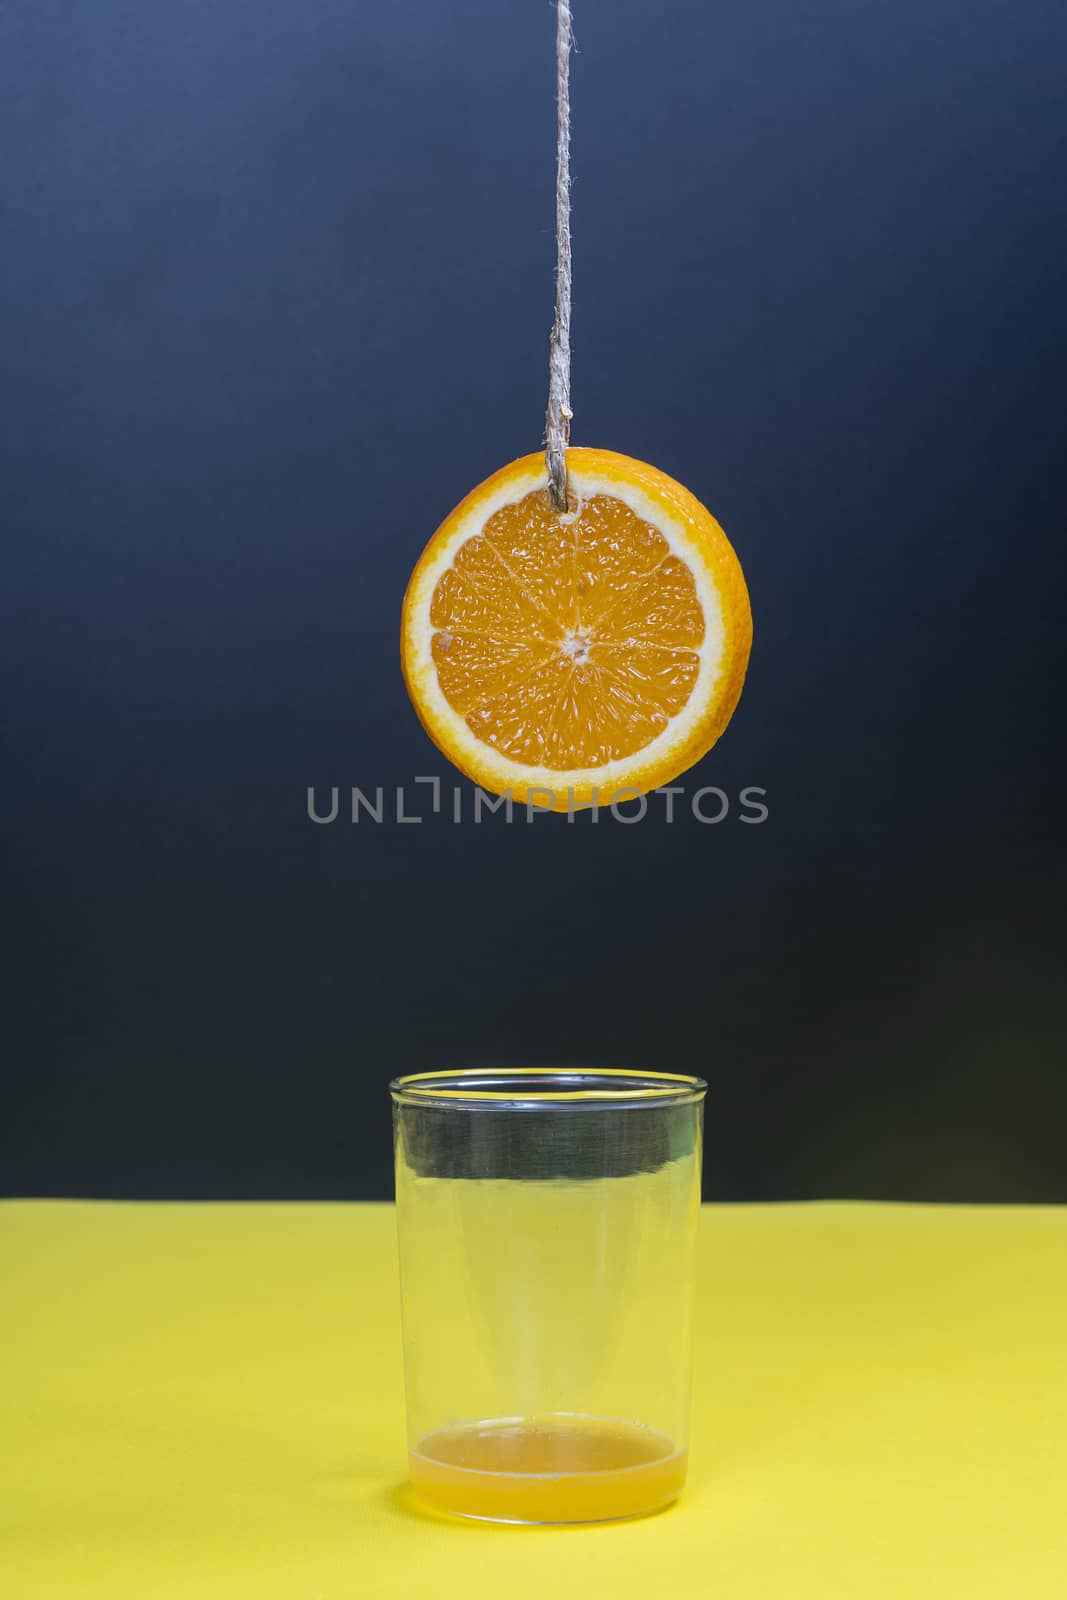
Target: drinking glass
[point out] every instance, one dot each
(547, 1226)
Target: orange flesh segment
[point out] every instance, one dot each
(570, 1470)
(566, 641)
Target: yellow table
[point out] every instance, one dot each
(206, 1401)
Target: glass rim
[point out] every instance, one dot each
(551, 1088)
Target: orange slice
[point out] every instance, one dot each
(570, 658)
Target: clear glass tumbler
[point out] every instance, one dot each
(547, 1225)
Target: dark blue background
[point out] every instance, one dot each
(277, 288)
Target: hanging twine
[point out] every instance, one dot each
(558, 416)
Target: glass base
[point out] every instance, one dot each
(560, 1468)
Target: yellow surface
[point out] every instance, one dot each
(206, 1401)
